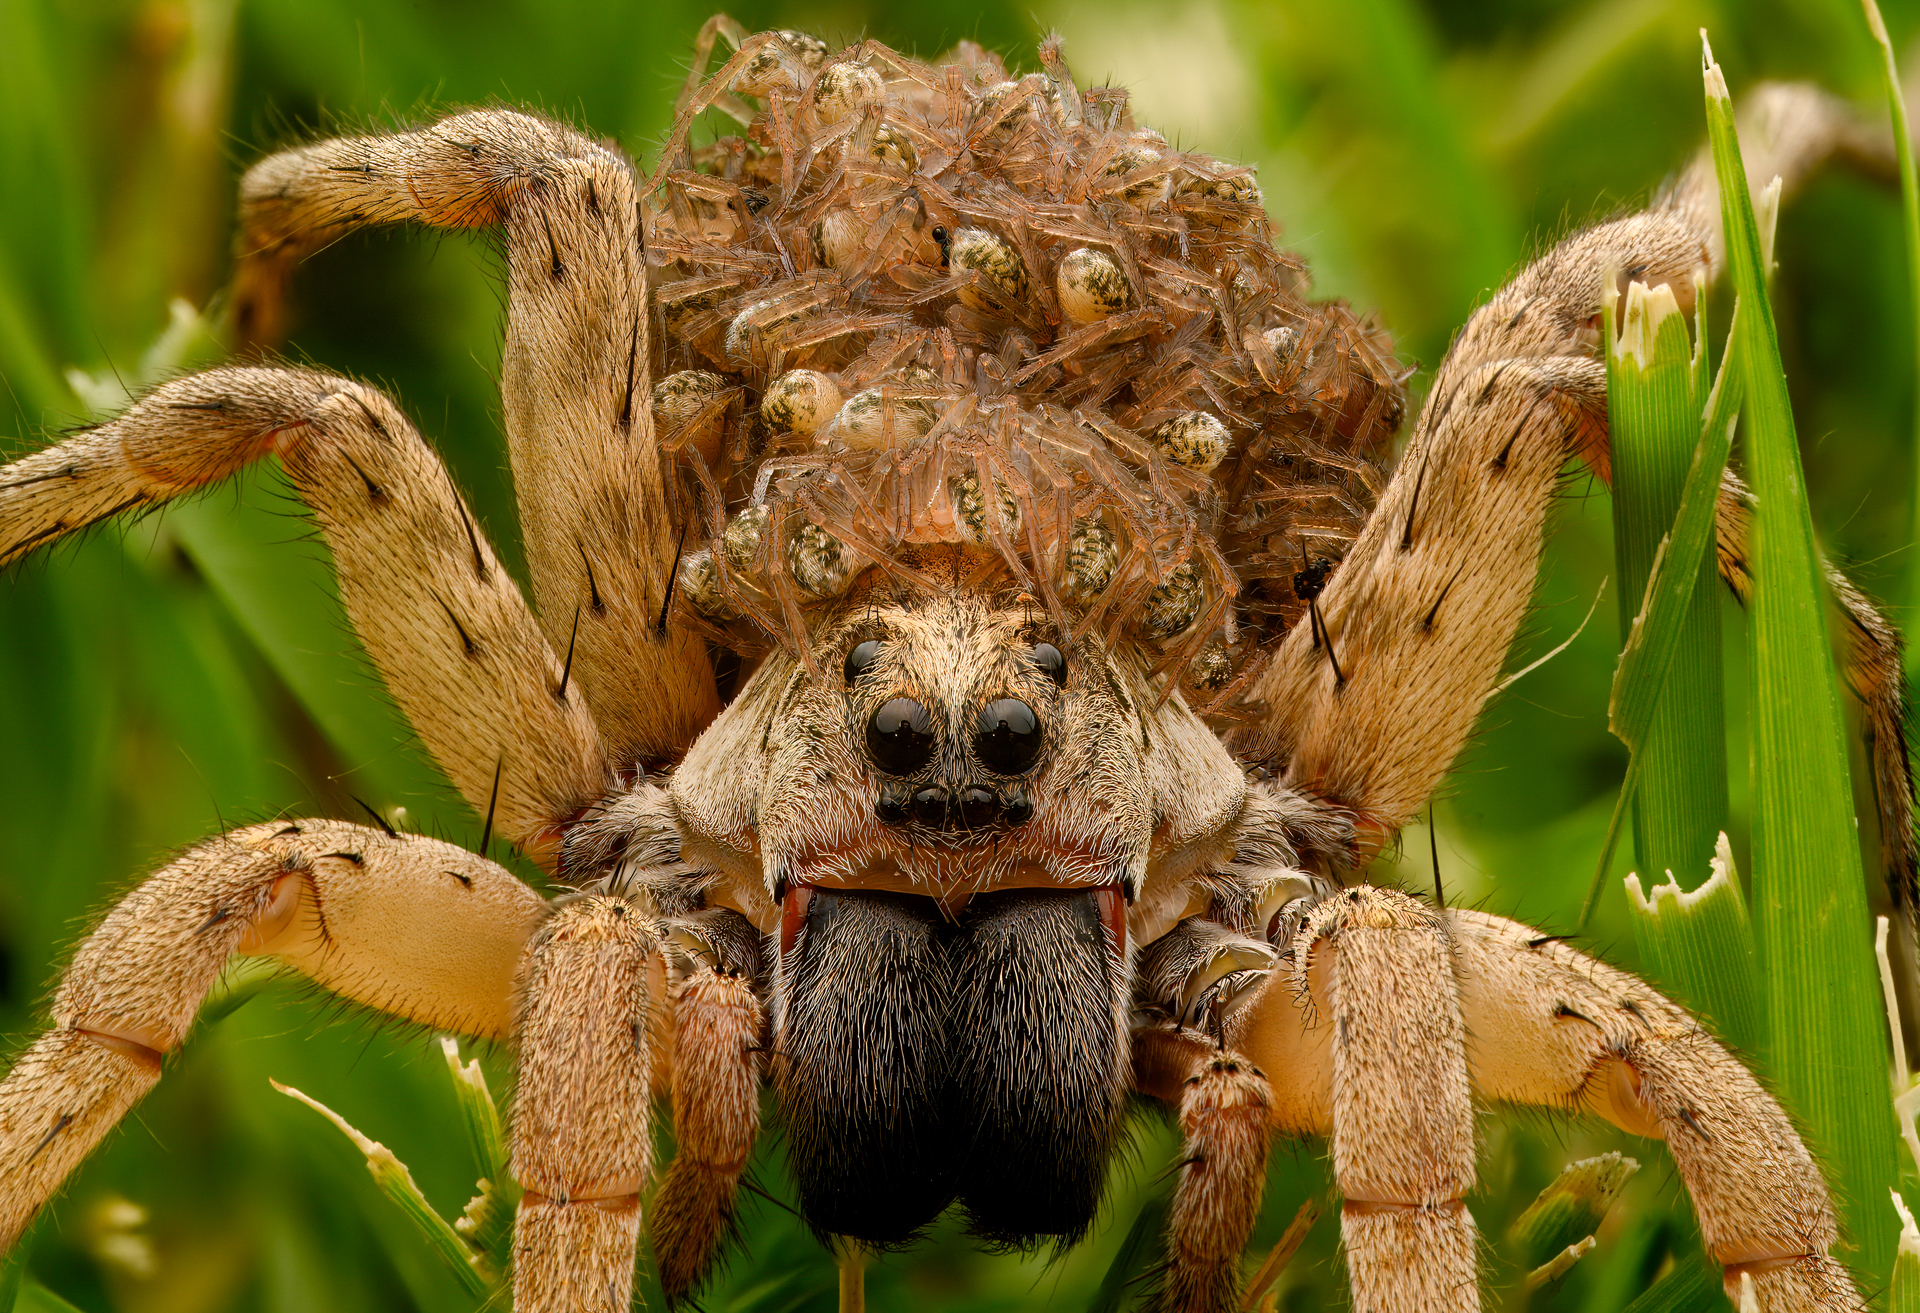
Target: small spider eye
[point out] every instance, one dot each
(944, 242)
(1051, 663)
(900, 737)
(860, 659)
(1007, 739)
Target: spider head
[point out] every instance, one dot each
(950, 745)
(948, 822)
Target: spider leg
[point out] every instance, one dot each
(719, 1031)
(409, 925)
(575, 377)
(1414, 626)
(1225, 1108)
(1392, 1008)
(590, 1027)
(445, 624)
(1403, 1151)
(1549, 1025)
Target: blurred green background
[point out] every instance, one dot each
(194, 671)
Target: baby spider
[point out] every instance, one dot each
(1086, 656)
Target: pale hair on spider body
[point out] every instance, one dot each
(971, 672)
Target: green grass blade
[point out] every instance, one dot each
(1826, 1034)
(478, 1111)
(1699, 945)
(1910, 228)
(1571, 1208)
(1904, 1294)
(1654, 412)
(36, 1298)
(397, 1183)
(1655, 635)
(1692, 1286)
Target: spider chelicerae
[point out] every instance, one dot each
(976, 645)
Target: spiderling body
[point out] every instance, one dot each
(1085, 651)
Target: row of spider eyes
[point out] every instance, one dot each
(901, 738)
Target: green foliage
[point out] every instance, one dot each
(1825, 1026)
(1656, 394)
(196, 671)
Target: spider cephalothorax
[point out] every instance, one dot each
(931, 303)
(864, 701)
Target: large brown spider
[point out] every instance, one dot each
(958, 689)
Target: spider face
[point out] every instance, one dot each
(946, 746)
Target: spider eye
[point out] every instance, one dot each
(900, 737)
(1051, 663)
(1007, 739)
(943, 241)
(860, 658)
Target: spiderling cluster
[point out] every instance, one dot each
(933, 303)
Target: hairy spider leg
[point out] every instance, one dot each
(444, 623)
(575, 380)
(591, 1030)
(409, 925)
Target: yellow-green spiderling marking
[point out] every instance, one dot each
(893, 147)
(1196, 440)
(843, 90)
(836, 238)
(781, 64)
(800, 401)
(818, 562)
(700, 585)
(970, 508)
(1171, 609)
(743, 535)
(997, 264)
(1210, 670)
(1133, 158)
(875, 417)
(1091, 286)
(1093, 554)
(679, 398)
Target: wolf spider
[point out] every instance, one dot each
(958, 692)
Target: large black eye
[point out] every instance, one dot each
(1008, 737)
(1051, 663)
(900, 737)
(862, 656)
